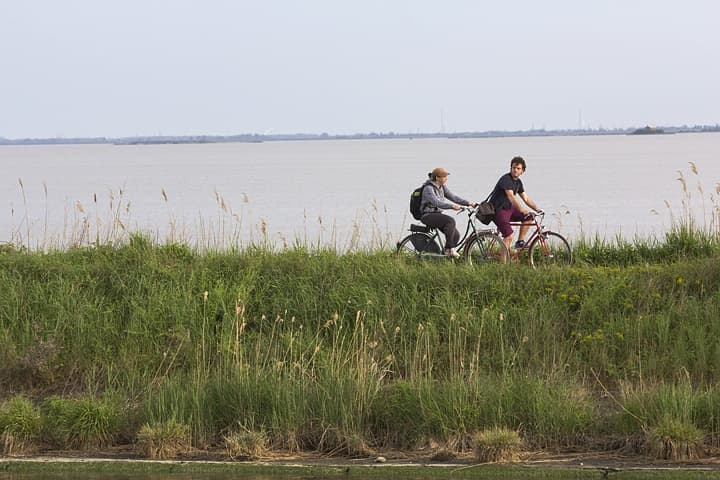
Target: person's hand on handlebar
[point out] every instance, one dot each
(464, 208)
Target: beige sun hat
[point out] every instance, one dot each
(439, 172)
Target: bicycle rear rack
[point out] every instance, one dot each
(414, 227)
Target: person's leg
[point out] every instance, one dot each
(451, 233)
(508, 242)
(517, 216)
(446, 224)
(502, 221)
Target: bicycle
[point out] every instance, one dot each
(479, 246)
(544, 247)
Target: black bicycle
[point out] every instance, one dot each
(478, 246)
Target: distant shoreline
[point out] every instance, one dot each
(258, 138)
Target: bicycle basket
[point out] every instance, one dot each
(425, 244)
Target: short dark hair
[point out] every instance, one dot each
(518, 161)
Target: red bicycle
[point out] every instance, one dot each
(544, 247)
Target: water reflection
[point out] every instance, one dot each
(137, 476)
(162, 476)
(492, 473)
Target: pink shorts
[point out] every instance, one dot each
(504, 217)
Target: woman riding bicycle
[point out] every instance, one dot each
(508, 207)
(436, 197)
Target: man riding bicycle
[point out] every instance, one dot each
(508, 207)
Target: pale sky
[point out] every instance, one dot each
(221, 67)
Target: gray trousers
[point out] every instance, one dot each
(445, 224)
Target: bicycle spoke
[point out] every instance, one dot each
(550, 249)
(417, 244)
(486, 248)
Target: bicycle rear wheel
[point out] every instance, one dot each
(550, 248)
(416, 244)
(486, 248)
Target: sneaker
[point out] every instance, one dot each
(450, 252)
(519, 244)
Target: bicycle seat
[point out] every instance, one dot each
(414, 227)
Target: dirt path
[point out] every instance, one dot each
(602, 461)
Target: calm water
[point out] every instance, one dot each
(145, 476)
(335, 192)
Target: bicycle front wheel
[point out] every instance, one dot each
(550, 248)
(417, 244)
(486, 248)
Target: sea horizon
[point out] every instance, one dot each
(258, 137)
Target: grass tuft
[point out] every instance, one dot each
(163, 440)
(246, 444)
(335, 442)
(675, 439)
(497, 444)
(20, 426)
(84, 424)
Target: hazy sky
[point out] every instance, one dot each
(184, 67)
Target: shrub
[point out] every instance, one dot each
(245, 445)
(86, 423)
(674, 439)
(20, 426)
(163, 440)
(497, 445)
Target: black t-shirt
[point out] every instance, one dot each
(499, 198)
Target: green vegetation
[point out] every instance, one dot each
(20, 426)
(245, 444)
(81, 423)
(163, 440)
(497, 445)
(305, 350)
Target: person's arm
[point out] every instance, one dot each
(514, 201)
(457, 199)
(430, 195)
(529, 202)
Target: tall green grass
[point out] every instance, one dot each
(694, 231)
(81, 423)
(20, 426)
(343, 353)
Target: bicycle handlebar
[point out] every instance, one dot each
(533, 215)
(469, 210)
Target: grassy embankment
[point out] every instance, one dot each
(305, 349)
(346, 353)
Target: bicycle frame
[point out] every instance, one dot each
(552, 245)
(478, 245)
(536, 229)
(466, 236)
(544, 246)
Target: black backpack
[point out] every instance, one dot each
(416, 202)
